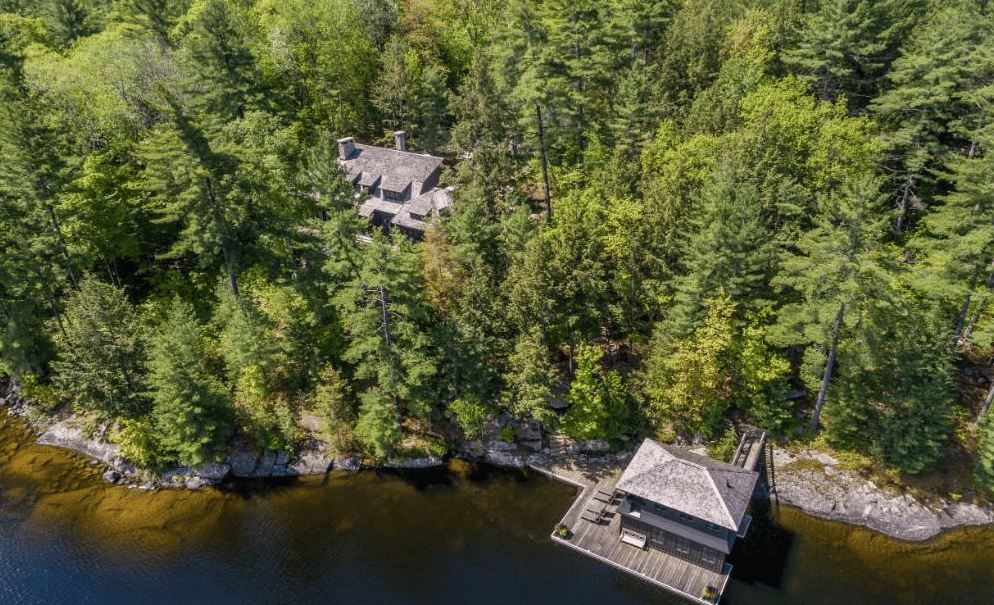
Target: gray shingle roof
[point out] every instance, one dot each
(697, 485)
(396, 168)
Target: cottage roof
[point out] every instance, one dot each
(696, 485)
(374, 204)
(398, 169)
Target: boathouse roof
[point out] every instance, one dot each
(690, 483)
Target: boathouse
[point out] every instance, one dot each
(670, 517)
(684, 504)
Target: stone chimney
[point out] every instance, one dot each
(400, 140)
(345, 148)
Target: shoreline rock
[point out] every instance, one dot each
(810, 481)
(814, 483)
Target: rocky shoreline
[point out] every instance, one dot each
(808, 480)
(815, 483)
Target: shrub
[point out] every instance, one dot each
(724, 448)
(470, 414)
(507, 433)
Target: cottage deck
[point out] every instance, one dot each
(603, 541)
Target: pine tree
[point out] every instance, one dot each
(894, 394)
(383, 312)
(934, 105)
(958, 239)
(101, 356)
(378, 426)
(838, 274)
(730, 249)
(217, 51)
(845, 46)
(529, 379)
(189, 410)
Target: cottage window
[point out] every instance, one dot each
(393, 196)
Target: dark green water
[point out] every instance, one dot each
(464, 535)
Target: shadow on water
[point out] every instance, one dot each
(254, 488)
(763, 555)
(454, 473)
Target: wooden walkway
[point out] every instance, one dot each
(602, 541)
(751, 448)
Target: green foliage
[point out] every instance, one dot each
(845, 45)
(470, 414)
(984, 471)
(599, 403)
(378, 426)
(190, 410)
(382, 310)
(507, 433)
(688, 380)
(138, 440)
(45, 396)
(101, 352)
(761, 375)
(724, 448)
(333, 404)
(894, 394)
(529, 379)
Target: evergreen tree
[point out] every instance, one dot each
(529, 378)
(217, 48)
(845, 46)
(189, 410)
(838, 274)
(101, 356)
(69, 20)
(599, 405)
(894, 393)
(934, 108)
(984, 471)
(383, 314)
(688, 380)
(378, 426)
(730, 249)
(958, 239)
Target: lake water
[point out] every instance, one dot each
(463, 535)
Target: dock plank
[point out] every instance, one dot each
(603, 543)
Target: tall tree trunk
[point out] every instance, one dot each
(62, 244)
(902, 207)
(545, 161)
(987, 403)
(229, 260)
(386, 340)
(829, 366)
(972, 323)
(123, 364)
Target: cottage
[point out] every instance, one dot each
(684, 504)
(401, 187)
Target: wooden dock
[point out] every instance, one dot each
(602, 540)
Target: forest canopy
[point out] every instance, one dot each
(758, 211)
